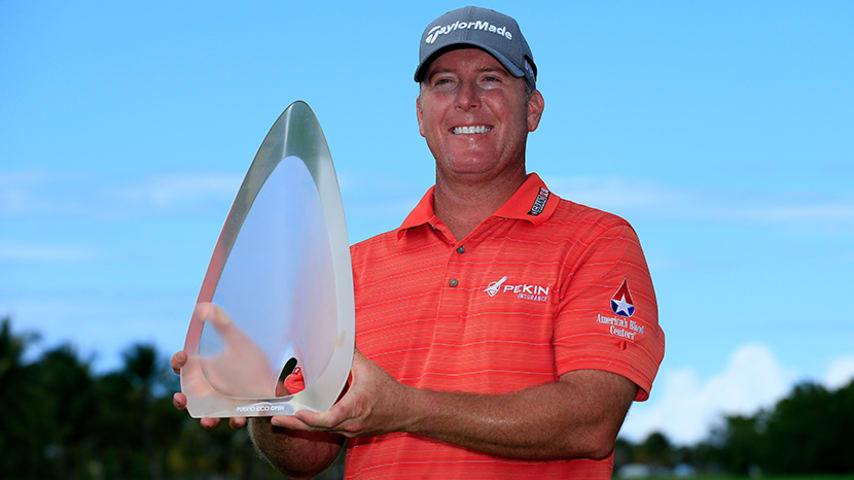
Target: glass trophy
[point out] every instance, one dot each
(279, 287)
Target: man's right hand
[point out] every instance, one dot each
(241, 365)
(295, 454)
(179, 400)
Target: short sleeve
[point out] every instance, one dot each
(607, 317)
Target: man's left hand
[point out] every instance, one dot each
(375, 403)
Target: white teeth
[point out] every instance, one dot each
(469, 130)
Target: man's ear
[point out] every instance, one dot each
(536, 104)
(420, 115)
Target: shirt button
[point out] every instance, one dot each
(453, 282)
(461, 249)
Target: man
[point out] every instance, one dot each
(502, 332)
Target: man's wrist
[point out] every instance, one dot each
(420, 406)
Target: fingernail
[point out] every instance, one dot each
(276, 421)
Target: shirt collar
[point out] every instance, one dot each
(421, 214)
(532, 202)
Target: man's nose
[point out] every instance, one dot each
(468, 96)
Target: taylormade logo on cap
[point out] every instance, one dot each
(458, 25)
(491, 31)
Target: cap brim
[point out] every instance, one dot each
(507, 64)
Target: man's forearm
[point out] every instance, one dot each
(578, 417)
(296, 454)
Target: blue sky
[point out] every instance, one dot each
(721, 130)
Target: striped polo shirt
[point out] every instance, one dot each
(542, 287)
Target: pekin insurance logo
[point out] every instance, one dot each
(524, 291)
(482, 25)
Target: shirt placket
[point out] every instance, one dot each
(458, 286)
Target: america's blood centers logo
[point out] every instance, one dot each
(621, 301)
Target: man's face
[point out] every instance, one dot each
(474, 115)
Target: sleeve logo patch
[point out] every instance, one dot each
(623, 307)
(621, 301)
(621, 327)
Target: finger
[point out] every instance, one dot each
(179, 401)
(340, 412)
(291, 423)
(348, 427)
(209, 423)
(232, 334)
(325, 420)
(178, 360)
(208, 312)
(237, 422)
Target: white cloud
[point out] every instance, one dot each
(22, 192)
(12, 178)
(789, 213)
(840, 372)
(614, 193)
(26, 193)
(684, 407)
(667, 202)
(10, 252)
(170, 190)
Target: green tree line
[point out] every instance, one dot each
(807, 432)
(60, 419)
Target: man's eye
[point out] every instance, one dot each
(490, 81)
(443, 84)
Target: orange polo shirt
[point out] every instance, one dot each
(542, 287)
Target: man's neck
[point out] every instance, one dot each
(462, 204)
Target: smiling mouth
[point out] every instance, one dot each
(470, 129)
